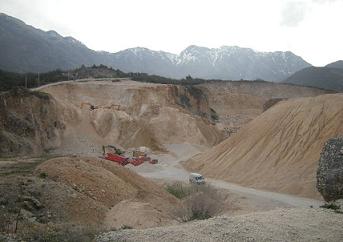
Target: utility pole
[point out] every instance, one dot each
(26, 81)
(38, 81)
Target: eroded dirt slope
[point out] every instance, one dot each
(29, 122)
(108, 186)
(280, 149)
(131, 114)
(81, 116)
(238, 102)
(77, 196)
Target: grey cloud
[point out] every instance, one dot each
(293, 13)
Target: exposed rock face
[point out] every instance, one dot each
(132, 114)
(330, 170)
(194, 100)
(29, 123)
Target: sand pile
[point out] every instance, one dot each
(105, 189)
(280, 149)
(131, 114)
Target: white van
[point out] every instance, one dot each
(196, 178)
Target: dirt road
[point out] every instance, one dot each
(170, 169)
(287, 199)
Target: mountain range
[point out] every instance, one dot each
(327, 77)
(24, 48)
(336, 64)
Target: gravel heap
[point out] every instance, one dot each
(276, 225)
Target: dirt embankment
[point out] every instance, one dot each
(131, 114)
(237, 103)
(70, 192)
(29, 123)
(118, 195)
(280, 149)
(80, 117)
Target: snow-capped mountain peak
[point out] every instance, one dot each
(225, 62)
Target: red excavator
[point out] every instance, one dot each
(115, 154)
(112, 153)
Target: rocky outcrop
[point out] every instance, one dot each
(330, 170)
(29, 123)
(194, 100)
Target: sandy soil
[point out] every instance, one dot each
(114, 188)
(244, 199)
(280, 149)
(168, 167)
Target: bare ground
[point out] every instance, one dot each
(275, 225)
(244, 199)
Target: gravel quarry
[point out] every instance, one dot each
(171, 121)
(170, 169)
(176, 125)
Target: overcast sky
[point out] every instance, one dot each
(309, 28)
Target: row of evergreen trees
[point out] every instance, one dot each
(9, 80)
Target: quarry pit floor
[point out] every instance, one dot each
(169, 170)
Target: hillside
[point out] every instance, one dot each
(27, 49)
(279, 150)
(29, 122)
(238, 102)
(321, 77)
(81, 116)
(336, 64)
(131, 114)
(73, 198)
(102, 187)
